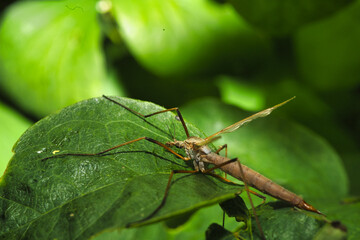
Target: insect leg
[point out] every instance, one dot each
(251, 202)
(248, 191)
(221, 148)
(226, 151)
(118, 146)
(164, 197)
(152, 114)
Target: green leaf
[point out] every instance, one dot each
(178, 37)
(193, 229)
(78, 197)
(236, 208)
(283, 151)
(50, 55)
(217, 232)
(152, 232)
(284, 17)
(11, 127)
(328, 52)
(348, 215)
(284, 223)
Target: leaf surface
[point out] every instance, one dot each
(76, 197)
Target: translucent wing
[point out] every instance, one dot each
(243, 122)
(207, 141)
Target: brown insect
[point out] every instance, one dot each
(197, 150)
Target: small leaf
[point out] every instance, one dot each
(80, 196)
(236, 208)
(217, 232)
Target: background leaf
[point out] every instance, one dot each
(175, 44)
(283, 17)
(348, 214)
(51, 51)
(331, 65)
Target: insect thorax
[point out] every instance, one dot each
(196, 152)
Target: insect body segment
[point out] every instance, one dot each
(193, 151)
(203, 154)
(260, 182)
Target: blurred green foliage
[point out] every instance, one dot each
(250, 54)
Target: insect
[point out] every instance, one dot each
(198, 151)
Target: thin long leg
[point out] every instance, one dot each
(226, 151)
(221, 148)
(217, 152)
(152, 114)
(248, 191)
(251, 202)
(164, 197)
(118, 146)
(208, 171)
(258, 195)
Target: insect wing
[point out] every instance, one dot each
(243, 122)
(207, 141)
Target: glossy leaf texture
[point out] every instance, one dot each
(76, 197)
(285, 17)
(283, 151)
(185, 36)
(51, 56)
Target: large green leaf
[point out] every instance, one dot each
(284, 17)
(50, 55)
(77, 197)
(282, 150)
